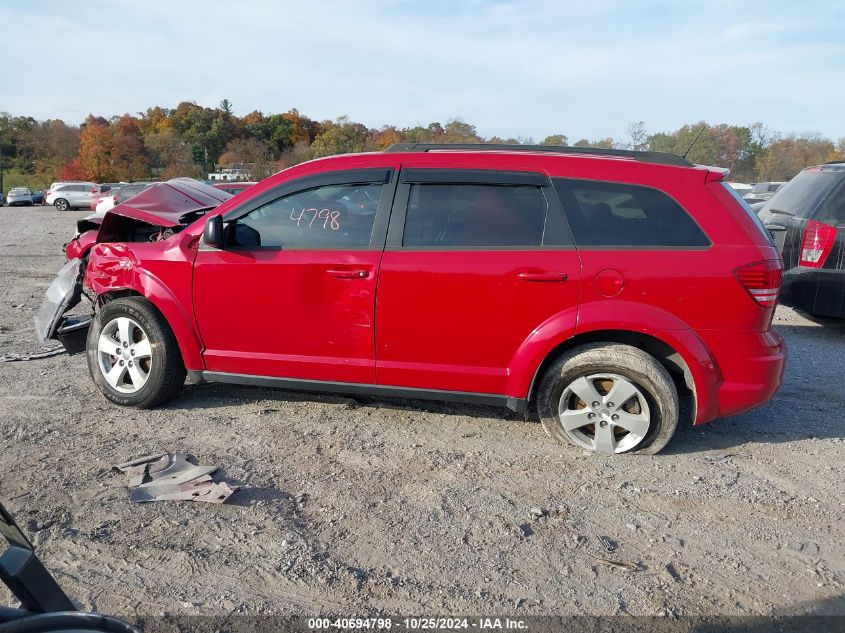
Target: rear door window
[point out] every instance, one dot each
(474, 215)
(617, 214)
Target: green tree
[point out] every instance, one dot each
(556, 139)
(341, 137)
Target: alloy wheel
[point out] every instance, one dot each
(124, 355)
(605, 413)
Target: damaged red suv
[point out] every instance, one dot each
(595, 287)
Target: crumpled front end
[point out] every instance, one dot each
(100, 259)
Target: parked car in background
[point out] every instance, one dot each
(741, 188)
(118, 195)
(762, 191)
(807, 217)
(38, 197)
(566, 281)
(233, 187)
(19, 197)
(70, 195)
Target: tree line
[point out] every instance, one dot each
(193, 140)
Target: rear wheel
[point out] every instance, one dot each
(61, 204)
(609, 398)
(133, 356)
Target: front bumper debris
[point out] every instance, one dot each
(63, 295)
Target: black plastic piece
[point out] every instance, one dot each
(73, 333)
(659, 158)
(387, 391)
(68, 622)
(31, 583)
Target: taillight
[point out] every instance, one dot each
(816, 244)
(762, 281)
(114, 198)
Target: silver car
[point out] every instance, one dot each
(70, 195)
(19, 196)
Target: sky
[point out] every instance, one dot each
(525, 69)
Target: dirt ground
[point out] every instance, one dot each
(402, 507)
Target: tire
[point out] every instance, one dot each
(159, 372)
(61, 204)
(643, 423)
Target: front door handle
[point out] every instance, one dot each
(543, 276)
(348, 274)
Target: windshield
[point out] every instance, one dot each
(802, 195)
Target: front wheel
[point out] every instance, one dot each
(61, 204)
(133, 356)
(609, 398)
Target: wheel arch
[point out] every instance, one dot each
(666, 353)
(148, 289)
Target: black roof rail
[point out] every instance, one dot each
(660, 158)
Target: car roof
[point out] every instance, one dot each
(662, 158)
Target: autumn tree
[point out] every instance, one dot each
(95, 149)
(785, 157)
(244, 150)
(129, 155)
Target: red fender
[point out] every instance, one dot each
(113, 267)
(618, 316)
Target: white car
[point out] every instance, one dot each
(69, 195)
(741, 188)
(119, 194)
(19, 196)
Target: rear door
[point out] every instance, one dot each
(80, 195)
(475, 262)
(292, 293)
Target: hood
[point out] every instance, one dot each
(163, 204)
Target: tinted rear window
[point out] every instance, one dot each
(802, 195)
(127, 192)
(616, 214)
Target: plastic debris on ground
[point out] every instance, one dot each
(172, 477)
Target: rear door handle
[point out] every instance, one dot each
(348, 274)
(544, 276)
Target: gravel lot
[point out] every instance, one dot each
(403, 507)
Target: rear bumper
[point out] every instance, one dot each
(814, 290)
(751, 365)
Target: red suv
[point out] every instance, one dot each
(593, 286)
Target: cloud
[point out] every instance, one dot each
(512, 68)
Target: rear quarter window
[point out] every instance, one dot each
(620, 214)
(749, 212)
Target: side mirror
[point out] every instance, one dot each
(212, 233)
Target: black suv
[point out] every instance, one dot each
(807, 218)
